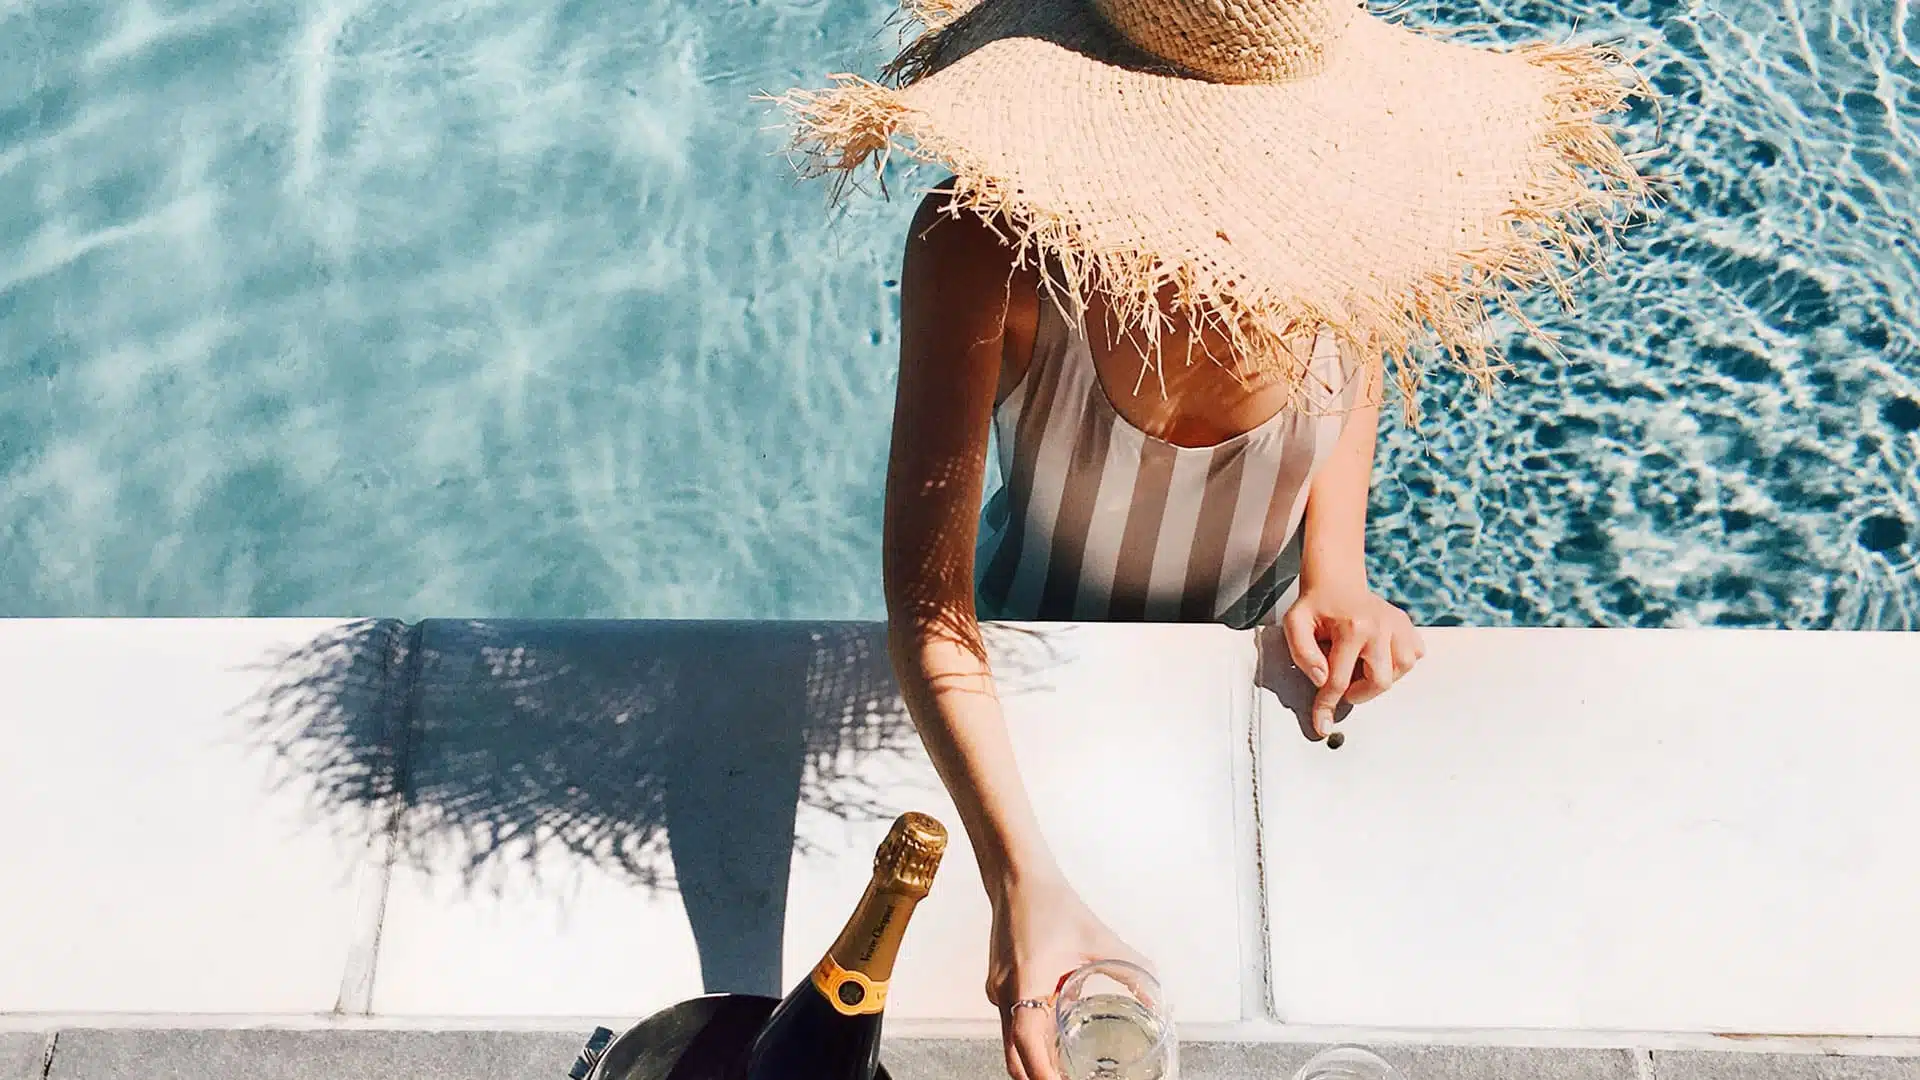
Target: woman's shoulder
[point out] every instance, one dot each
(963, 275)
(967, 240)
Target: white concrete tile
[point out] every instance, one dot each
(1665, 830)
(1126, 740)
(555, 936)
(582, 740)
(535, 877)
(151, 865)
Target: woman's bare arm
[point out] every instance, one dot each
(1334, 544)
(1348, 640)
(964, 309)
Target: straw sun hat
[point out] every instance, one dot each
(1279, 165)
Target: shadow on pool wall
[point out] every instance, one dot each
(674, 754)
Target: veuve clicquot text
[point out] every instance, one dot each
(828, 1027)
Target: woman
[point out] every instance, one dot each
(1179, 240)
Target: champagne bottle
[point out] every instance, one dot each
(828, 1027)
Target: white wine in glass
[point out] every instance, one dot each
(1112, 1024)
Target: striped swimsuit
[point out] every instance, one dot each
(1096, 520)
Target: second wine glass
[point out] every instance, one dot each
(1347, 1063)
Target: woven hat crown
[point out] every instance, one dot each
(1236, 41)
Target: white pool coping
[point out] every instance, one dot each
(1653, 839)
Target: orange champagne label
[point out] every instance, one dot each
(849, 992)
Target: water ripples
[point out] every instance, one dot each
(492, 308)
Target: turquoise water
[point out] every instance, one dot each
(469, 308)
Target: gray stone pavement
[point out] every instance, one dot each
(85, 1054)
(21, 1056)
(312, 1055)
(1697, 1066)
(1277, 1061)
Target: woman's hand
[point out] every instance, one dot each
(1331, 627)
(1041, 931)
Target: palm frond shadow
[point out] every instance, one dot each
(676, 755)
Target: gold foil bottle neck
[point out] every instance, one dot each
(908, 858)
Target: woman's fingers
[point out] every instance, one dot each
(1132, 981)
(1369, 653)
(1346, 649)
(1033, 1044)
(1407, 649)
(1380, 672)
(1015, 1070)
(1303, 644)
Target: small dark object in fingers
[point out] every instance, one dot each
(1336, 740)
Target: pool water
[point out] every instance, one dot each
(465, 308)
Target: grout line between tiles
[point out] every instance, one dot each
(403, 668)
(356, 981)
(1246, 854)
(1255, 730)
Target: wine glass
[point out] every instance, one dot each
(1112, 1023)
(1347, 1063)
